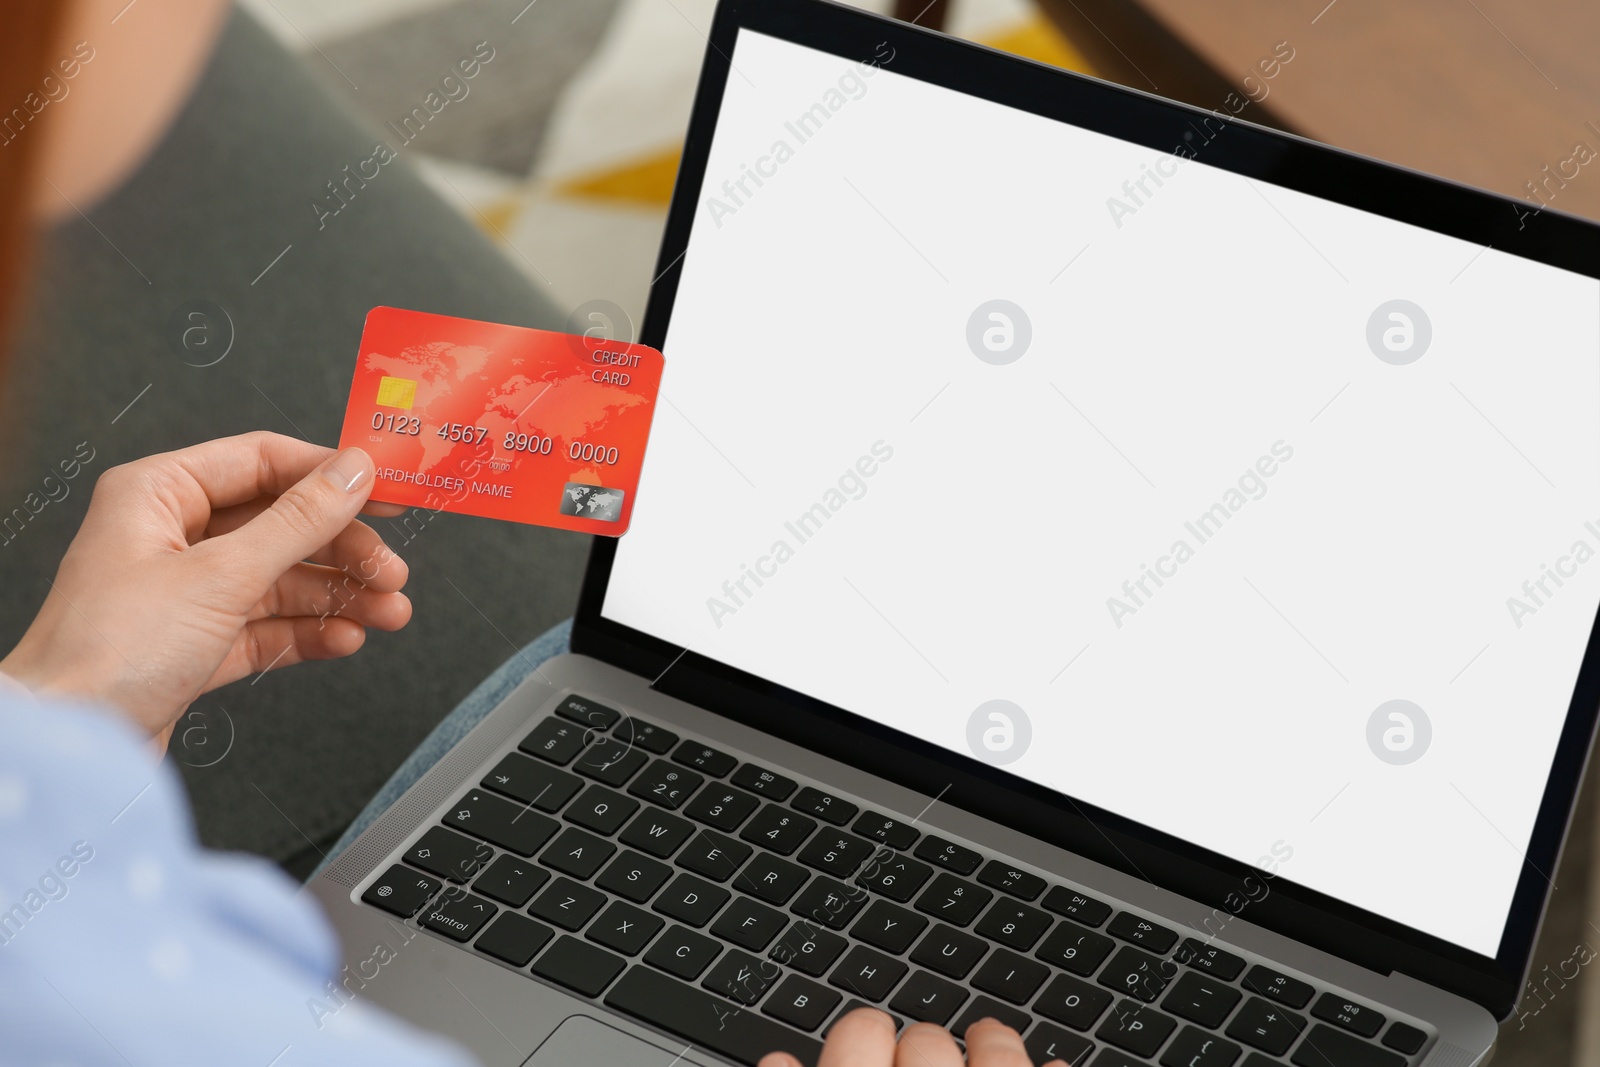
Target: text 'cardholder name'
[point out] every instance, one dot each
(500, 421)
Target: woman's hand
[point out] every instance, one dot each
(865, 1038)
(198, 567)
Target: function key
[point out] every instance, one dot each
(769, 784)
(1403, 1038)
(694, 754)
(889, 831)
(449, 855)
(949, 855)
(1214, 961)
(1153, 936)
(532, 782)
(1074, 905)
(824, 806)
(1353, 1017)
(648, 736)
(1017, 883)
(585, 711)
(401, 891)
(1279, 987)
(555, 741)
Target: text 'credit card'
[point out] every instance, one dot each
(504, 422)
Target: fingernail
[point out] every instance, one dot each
(349, 470)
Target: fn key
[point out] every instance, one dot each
(401, 891)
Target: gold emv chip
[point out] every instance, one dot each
(397, 392)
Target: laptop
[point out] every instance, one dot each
(1099, 564)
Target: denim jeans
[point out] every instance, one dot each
(454, 726)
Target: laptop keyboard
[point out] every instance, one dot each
(743, 911)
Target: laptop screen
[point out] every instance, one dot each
(1262, 520)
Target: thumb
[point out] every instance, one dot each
(307, 516)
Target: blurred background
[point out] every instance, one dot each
(539, 196)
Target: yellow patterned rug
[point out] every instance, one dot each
(566, 158)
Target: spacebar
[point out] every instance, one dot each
(702, 1019)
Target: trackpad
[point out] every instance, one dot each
(582, 1040)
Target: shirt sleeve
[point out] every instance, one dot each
(124, 942)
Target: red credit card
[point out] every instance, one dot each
(502, 421)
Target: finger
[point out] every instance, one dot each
(863, 1038)
(200, 479)
(229, 519)
(358, 549)
(275, 643)
(306, 589)
(231, 470)
(238, 514)
(991, 1043)
(778, 1059)
(927, 1045)
(304, 519)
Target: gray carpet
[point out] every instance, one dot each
(499, 119)
(227, 193)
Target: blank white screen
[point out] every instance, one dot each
(828, 311)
